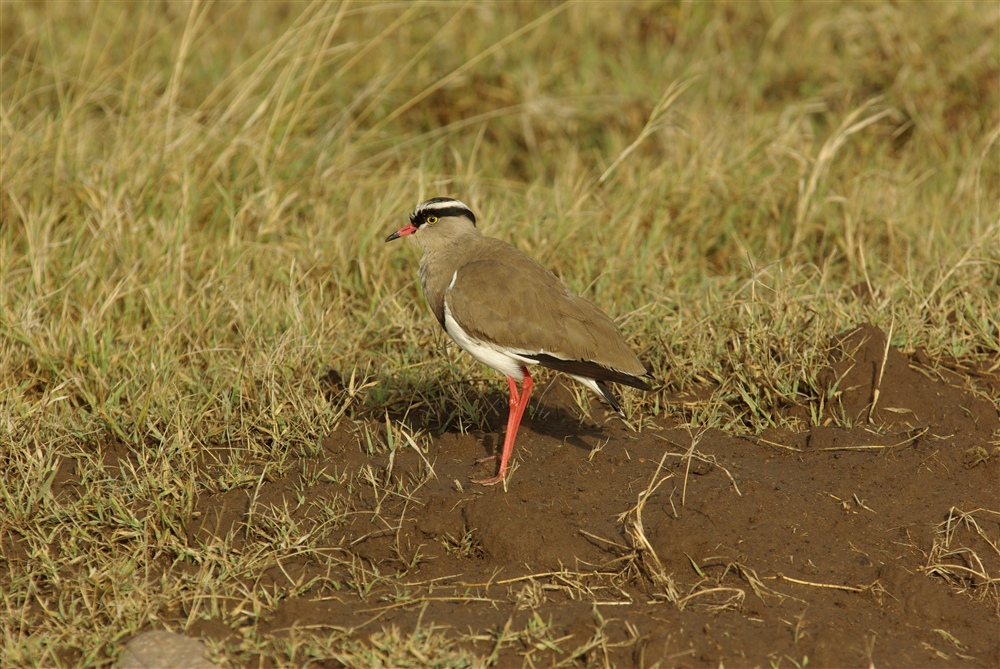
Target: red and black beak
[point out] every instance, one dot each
(404, 231)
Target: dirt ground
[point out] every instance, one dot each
(869, 546)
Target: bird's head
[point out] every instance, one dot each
(443, 217)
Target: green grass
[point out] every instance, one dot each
(195, 196)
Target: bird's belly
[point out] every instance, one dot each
(510, 363)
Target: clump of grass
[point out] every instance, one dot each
(194, 198)
(965, 555)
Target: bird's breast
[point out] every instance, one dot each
(434, 283)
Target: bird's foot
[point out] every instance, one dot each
(493, 480)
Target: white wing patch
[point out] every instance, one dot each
(505, 360)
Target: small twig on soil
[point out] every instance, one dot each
(877, 390)
(687, 466)
(759, 587)
(870, 649)
(777, 445)
(691, 453)
(877, 447)
(603, 540)
(544, 574)
(632, 519)
(413, 444)
(971, 574)
(733, 600)
(847, 588)
(430, 581)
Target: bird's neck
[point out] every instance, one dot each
(437, 269)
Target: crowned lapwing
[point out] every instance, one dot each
(509, 312)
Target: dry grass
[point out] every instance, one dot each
(194, 290)
(966, 556)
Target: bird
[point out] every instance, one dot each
(509, 312)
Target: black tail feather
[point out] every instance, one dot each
(610, 398)
(592, 370)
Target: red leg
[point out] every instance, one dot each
(518, 403)
(515, 400)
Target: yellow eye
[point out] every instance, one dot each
(431, 220)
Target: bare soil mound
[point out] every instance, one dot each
(833, 547)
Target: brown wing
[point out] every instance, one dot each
(506, 298)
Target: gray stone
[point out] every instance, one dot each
(164, 650)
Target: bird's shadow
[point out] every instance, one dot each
(477, 405)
